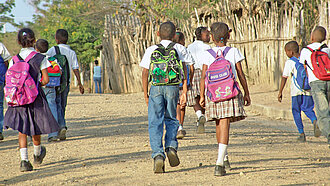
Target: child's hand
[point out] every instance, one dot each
(247, 100)
(202, 101)
(183, 101)
(279, 97)
(146, 98)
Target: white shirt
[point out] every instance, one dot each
(4, 52)
(69, 53)
(288, 71)
(196, 48)
(233, 56)
(183, 54)
(305, 55)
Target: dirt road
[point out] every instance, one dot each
(108, 145)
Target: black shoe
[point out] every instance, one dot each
(317, 131)
(181, 134)
(53, 139)
(62, 134)
(1, 136)
(25, 166)
(200, 127)
(159, 166)
(172, 157)
(38, 159)
(301, 138)
(219, 170)
(227, 164)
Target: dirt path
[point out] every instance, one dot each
(108, 145)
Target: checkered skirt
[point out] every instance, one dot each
(195, 88)
(232, 109)
(190, 98)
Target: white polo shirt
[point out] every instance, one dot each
(196, 48)
(4, 52)
(69, 53)
(25, 52)
(183, 54)
(233, 56)
(305, 55)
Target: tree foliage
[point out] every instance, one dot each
(5, 16)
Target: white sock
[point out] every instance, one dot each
(180, 127)
(199, 113)
(221, 154)
(24, 154)
(37, 150)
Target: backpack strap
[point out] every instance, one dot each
(160, 45)
(295, 59)
(310, 49)
(211, 51)
(225, 51)
(33, 53)
(171, 45)
(323, 46)
(57, 50)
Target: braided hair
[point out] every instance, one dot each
(198, 32)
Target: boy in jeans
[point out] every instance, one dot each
(162, 102)
(320, 89)
(301, 99)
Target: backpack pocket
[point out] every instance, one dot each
(158, 73)
(222, 90)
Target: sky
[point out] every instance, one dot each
(23, 12)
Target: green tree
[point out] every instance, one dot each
(5, 16)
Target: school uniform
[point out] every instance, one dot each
(35, 118)
(232, 108)
(162, 105)
(196, 48)
(301, 99)
(5, 56)
(320, 90)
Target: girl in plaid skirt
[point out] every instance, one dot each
(231, 110)
(181, 109)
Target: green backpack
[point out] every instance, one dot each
(63, 62)
(165, 67)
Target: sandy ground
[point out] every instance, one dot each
(108, 145)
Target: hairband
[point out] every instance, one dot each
(24, 34)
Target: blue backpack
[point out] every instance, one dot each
(3, 70)
(301, 81)
(188, 79)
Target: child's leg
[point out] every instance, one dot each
(22, 141)
(308, 108)
(100, 80)
(222, 134)
(182, 114)
(296, 112)
(178, 113)
(36, 144)
(198, 109)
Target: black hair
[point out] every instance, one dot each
(42, 45)
(62, 36)
(292, 46)
(25, 37)
(167, 30)
(178, 37)
(220, 32)
(319, 34)
(198, 32)
(96, 62)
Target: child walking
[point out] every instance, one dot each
(196, 48)
(181, 111)
(164, 94)
(223, 112)
(50, 89)
(4, 57)
(320, 89)
(301, 99)
(97, 76)
(36, 118)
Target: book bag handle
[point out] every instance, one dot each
(171, 45)
(57, 50)
(18, 58)
(223, 53)
(319, 49)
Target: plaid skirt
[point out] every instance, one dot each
(232, 109)
(195, 88)
(190, 98)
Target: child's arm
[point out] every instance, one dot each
(283, 82)
(242, 79)
(145, 74)
(183, 98)
(192, 71)
(45, 78)
(77, 74)
(202, 87)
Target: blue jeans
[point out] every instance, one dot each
(97, 82)
(162, 110)
(61, 101)
(305, 104)
(1, 106)
(51, 99)
(321, 95)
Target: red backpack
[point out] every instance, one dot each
(321, 63)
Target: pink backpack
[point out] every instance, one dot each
(220, 81)
(20, 88)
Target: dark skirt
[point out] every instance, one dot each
(32, 119)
